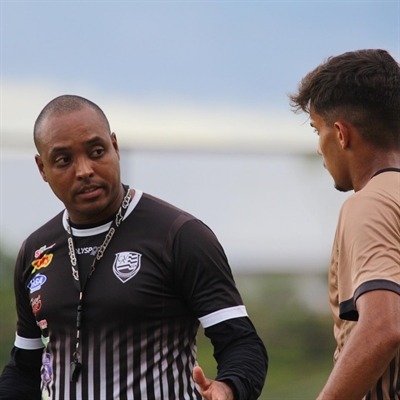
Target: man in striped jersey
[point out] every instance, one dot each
(111, 291)
(354, 105)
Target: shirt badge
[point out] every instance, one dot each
(42, 262)
(126, 265)
(36, 283)
(40, 251)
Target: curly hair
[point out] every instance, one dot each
(362, 87)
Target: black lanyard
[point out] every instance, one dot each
(76, 366)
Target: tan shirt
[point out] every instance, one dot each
(365, 257)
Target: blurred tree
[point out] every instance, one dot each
(7, 306)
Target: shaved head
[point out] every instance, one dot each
(62, 105)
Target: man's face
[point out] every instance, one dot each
(331, 151)
(80, 161)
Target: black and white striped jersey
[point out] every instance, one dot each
(162, 275)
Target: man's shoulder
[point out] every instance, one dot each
(382, 188)
(49, 229)
(165, 217)
(155, 204)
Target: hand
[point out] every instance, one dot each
(210, 389)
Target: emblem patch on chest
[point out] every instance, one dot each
(126, 265)
(42, 262)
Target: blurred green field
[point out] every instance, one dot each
(290, 313)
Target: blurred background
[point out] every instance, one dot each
(196, 92)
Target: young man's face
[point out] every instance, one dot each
(80, 161)
(331, 151)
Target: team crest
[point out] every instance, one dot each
(126, 265)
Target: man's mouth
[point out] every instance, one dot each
(89, 190)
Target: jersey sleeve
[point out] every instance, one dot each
(241, 357)
(203, 277)
(20, 378)
(205, 281)
(28, 335)
(369, 242)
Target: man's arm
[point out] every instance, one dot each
(241, 358)
(20, 379)
(373, 343)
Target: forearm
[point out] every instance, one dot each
(244, 371)
(241, 357)
(20, 379)
(372, 345)
(360, 365)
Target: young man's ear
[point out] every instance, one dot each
(39, 163)
(343, 133)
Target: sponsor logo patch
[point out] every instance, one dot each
(36, 304)
(42, 262)
(87, 250)
(36, 283)
(42, 324)
(46, 373)
(40, 251)
(126, 265)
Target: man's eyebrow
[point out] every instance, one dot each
(60, 149)
(95, 139)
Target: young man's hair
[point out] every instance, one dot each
(62, 105)
(362, 87)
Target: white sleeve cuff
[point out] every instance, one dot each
(28, 344)
(223, 315)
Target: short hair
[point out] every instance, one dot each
(61, 105)
(362, 87)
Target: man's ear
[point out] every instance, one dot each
(343, 133)
(115, 144)
(39, 163)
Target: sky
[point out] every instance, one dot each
(197, 93)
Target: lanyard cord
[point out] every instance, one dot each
(76, 366)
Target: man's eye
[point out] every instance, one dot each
(62, 160)
(98, 152)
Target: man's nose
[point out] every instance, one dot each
(84, 168)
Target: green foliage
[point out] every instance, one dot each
(7, 307)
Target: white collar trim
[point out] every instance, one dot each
(102, 228)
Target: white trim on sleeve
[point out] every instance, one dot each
(28, 344)
(223, 315)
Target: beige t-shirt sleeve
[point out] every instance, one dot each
(368, 239)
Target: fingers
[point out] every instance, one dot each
(200, 378)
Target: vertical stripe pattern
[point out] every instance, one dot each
(147, 361)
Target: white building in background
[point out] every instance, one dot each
(270, 212)
(251, 175)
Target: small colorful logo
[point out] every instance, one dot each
(126, 265)
(39, 252)
(47, 376)
(42, 324)
(42, 262)
(36, 304)
(36, 283)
